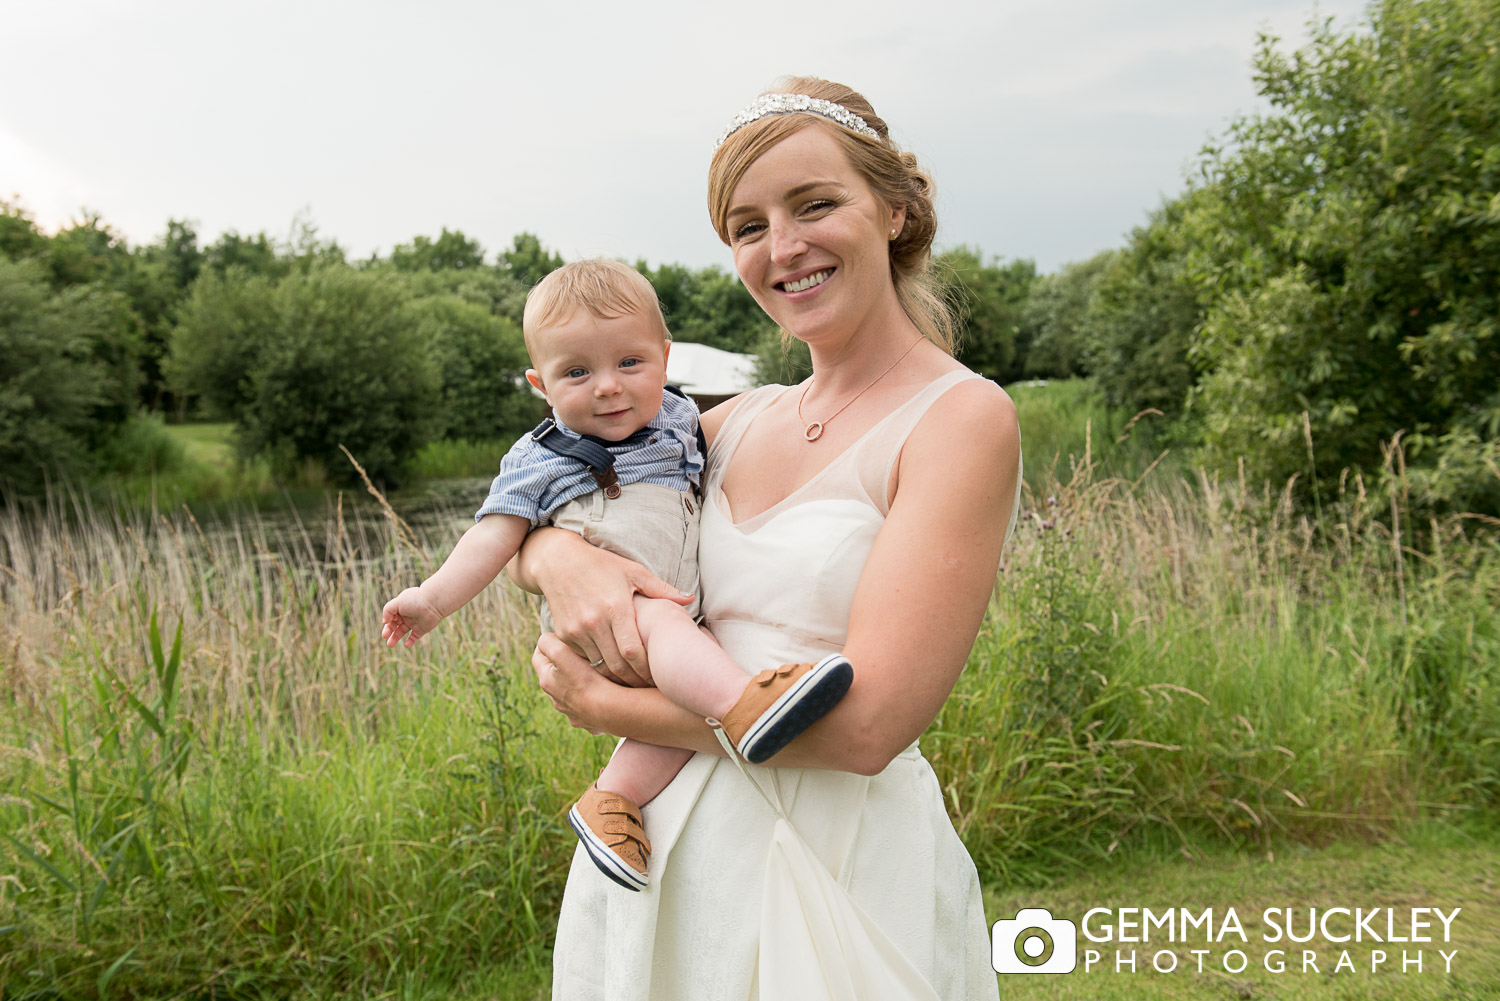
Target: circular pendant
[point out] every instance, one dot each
(814, 431)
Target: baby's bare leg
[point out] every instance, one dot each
(686, 664)
(640, 770)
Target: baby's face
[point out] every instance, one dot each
(602, 377)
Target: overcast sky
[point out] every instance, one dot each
(1051, 128)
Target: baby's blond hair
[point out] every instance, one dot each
(607, 289)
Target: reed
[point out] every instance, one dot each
(216, 782)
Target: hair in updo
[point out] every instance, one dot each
(894, 176)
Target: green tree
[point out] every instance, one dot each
(528, 261)
(317, 360)
(253, 255)
(150, 287)
(306, 251)
(991, 298)
(67, 375)
(452, 251)
(87, 251)
(177, 252)
(482, 362)
(708, 306)
(1057, 313)
(1352, 235)
(19, 237)
(222, 330)
(780, 359)
(495, 289)
(1142, 315)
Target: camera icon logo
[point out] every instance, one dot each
(1034, 942)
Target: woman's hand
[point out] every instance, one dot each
(568, 680)
(591, 593)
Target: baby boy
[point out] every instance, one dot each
(619, 463)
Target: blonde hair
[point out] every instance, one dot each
(607, 289)
(894, 176)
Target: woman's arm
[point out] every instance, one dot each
(925, 588)
(597, 704)
(916, 611)
(591, 594)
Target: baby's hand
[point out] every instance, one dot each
(409, 614)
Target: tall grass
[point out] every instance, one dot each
(216, 782)
(1172, 659)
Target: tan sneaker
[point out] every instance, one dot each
(609, 825)
(780, 703)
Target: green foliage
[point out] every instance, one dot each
(496, 289)
(151, 290)
(455, 458)
(1142, 315)
(780, 359)
(1157, 674)
(345, 368)
(991, 298)
(253, 255)
(88, 251)
(141, 446)
(452, 251)
(67, 375)
(527, 261)
(1056, 311)
(316, 361)
(707, 306)
(222, 328)
(19, 236)
(482, 360)
(177, 252)
(1066, 428)
(1353, 238)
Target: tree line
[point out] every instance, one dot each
(1321, 300)
(1324, 287)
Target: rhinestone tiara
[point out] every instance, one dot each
(791, 104)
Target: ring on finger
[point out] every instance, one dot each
(596, 664)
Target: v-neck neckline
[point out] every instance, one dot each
(745, 526)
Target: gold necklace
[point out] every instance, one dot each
(814, 429)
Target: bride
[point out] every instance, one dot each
(864, 511)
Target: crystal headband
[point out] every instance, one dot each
(791, 104)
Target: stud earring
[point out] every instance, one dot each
(893, 235)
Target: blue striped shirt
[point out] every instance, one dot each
(535, 481)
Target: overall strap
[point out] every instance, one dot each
(587, 449)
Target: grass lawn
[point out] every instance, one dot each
(205, 444)
(1432, 867)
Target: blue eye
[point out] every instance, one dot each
(630, 362)
(748, 230)
(576, 373)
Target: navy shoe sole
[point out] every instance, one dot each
(605, 860)
(799, 707)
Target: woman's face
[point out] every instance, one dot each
(810, 238)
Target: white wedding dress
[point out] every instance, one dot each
(809, 884)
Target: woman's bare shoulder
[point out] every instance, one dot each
(974, 407)
(975, 416)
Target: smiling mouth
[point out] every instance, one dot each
(803, 284)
